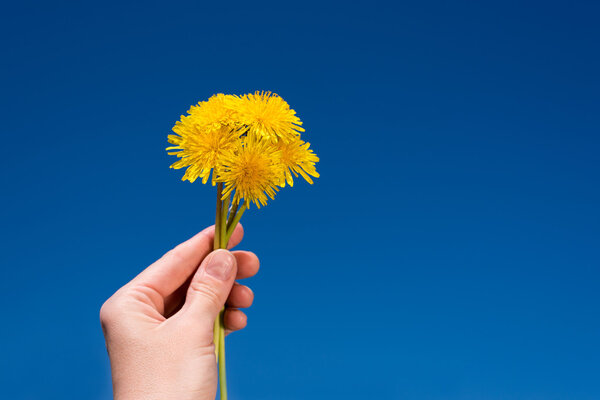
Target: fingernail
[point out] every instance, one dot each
(220, 265)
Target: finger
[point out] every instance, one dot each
(248, 264)
(173, 269)
(240, 297)
(209, 289)
(235, 320)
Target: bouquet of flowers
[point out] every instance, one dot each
(248, 147)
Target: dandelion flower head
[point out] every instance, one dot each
(266, 115)
(253, 170)
(298, 159)
(202, 137)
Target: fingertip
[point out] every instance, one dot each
(248, 263)
(241, 296)
(235, 319)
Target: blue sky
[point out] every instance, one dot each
(448, 251)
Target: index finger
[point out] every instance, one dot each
(173, 269)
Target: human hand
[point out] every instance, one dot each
(159, 327)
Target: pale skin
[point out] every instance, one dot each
(159, 326)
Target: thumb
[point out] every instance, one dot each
(210, 288)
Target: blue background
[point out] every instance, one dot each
(450, 249)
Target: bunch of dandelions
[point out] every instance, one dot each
(248, 146)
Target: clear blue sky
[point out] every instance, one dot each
(449, 251)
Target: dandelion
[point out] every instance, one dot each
(297, 158)
(214, 113)
(202, 138)
(266, 115)
(253, 171)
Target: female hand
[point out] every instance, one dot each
(159, 326)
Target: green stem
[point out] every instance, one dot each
(220, 242)
(216, 245)
(223, 227)
(232, 213)
(217, 241)
(233, 223)
(222, 374)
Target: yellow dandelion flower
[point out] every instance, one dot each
(211, 114)
(200, 150)
(202, 136)
(266, 115)
(298, 158)
(253, 170)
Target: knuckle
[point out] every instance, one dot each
(114, 317)
(107, 313)
(112, 310)
(207, 292)
(176, 255)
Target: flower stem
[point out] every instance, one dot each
(223, 227)
(222, 374)
(217, 241)
(220, 242)
(216, 245)
(236, 219)
(232, 213)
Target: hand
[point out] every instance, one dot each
(159, 326)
